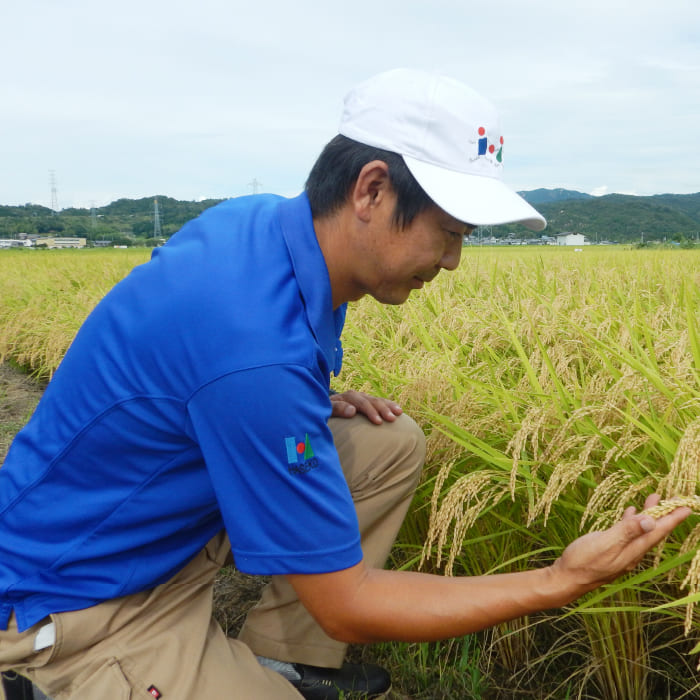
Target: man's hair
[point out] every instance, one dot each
(338, 167)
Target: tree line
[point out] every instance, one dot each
(123, 222)
(616, 218)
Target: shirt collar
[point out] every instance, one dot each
(312, 276)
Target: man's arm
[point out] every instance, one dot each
(363, 605)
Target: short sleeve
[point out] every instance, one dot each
(264, 437)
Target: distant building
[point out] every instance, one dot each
(59, 242)
(69, 242)
(14, 243)
(576, 239)
(542, 240)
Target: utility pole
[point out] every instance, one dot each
(93, 215)
(54, 191)
(156, 220)
(484, 232)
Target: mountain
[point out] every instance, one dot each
(616, 217)
(687, 203)
(544, 196)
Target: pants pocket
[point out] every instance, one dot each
(107, 682)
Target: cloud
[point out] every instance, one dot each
(139, 98)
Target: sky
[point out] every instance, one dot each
(221, 98)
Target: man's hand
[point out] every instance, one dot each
(376, 409)
(600, 557)
(362, 604)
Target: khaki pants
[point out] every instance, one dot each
(164, 642)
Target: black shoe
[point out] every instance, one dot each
(353, 680)
(16, 687)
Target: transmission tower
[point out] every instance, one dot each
(483, 232)
(255, 185)
(54, 191)
(156, 220)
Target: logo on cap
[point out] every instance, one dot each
(489, 150)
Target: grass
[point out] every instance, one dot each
(555, 388)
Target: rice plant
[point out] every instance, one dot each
(555, 389)
(46, 295)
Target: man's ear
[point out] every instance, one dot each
(370, 189)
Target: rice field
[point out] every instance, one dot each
(47, 294)
(555, 389)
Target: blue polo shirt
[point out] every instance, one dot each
(194, 397)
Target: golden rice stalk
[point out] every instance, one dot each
(684, 471)
(567, 438)
(463, 503)
(532, 431)
(681, 480)
(691, 542)
(435, 505)
(670, 504)
(692, 582)
(610, 498)
(624, 446)
(562, 476)
(605, 497)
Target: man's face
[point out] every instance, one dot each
(398, 261)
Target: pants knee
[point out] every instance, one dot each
(379, 455)
(410, 448)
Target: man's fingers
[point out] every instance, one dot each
(651, 500)
(649, 532)
(674, 518)
(638, 534)
(647, 523)
(376, 409)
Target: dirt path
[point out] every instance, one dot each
(19, 394)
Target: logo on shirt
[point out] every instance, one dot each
(300, 455)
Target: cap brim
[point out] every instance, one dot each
(474, 199)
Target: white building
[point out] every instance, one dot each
(14, 243)
(577, 239)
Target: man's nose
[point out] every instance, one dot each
(452, 255)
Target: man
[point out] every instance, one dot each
(191, 418)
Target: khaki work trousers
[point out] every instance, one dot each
(163, 642)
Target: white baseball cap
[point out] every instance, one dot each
(449, 137)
